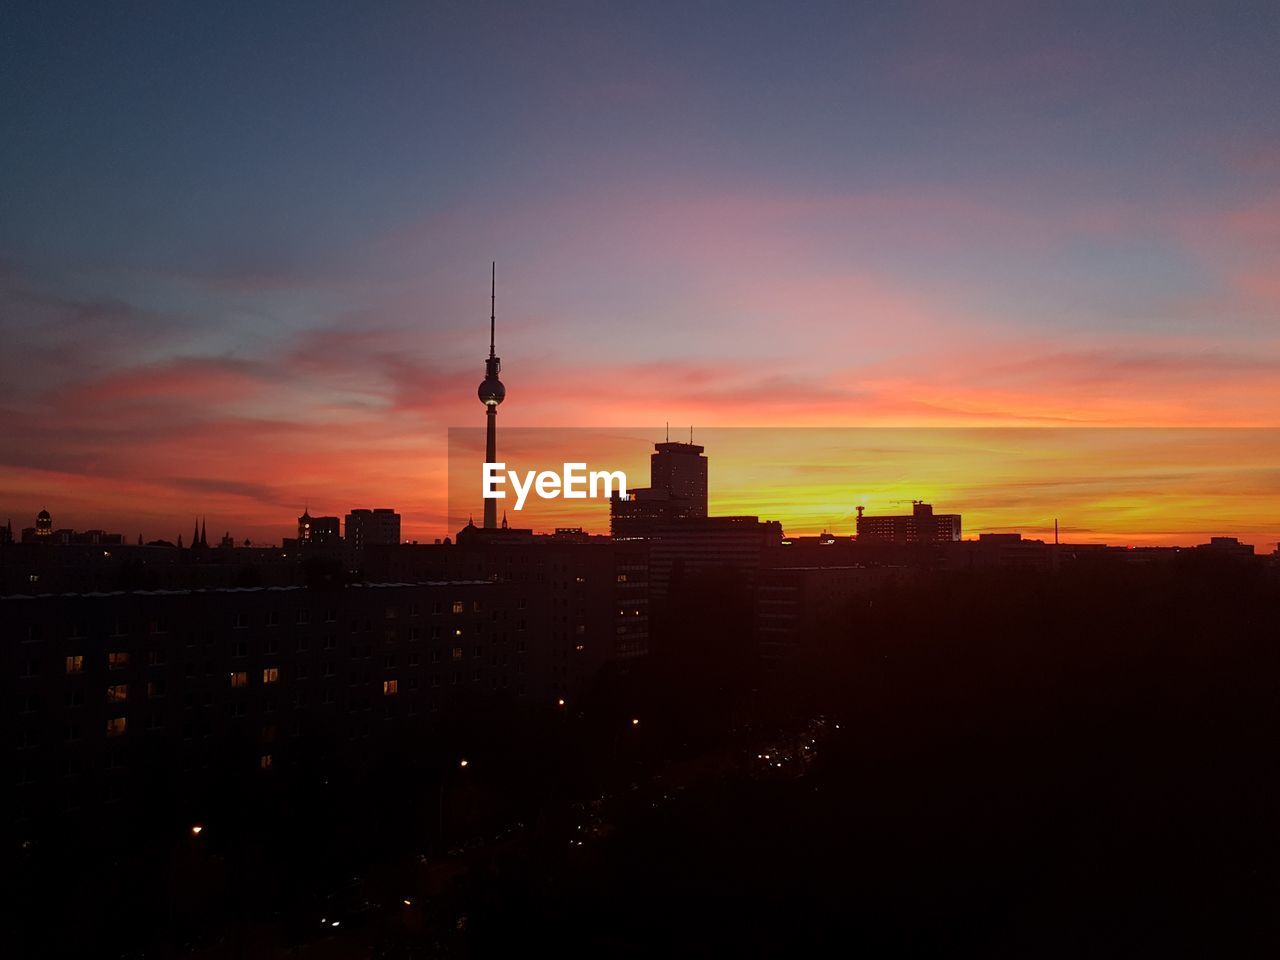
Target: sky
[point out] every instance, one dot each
(244, 248)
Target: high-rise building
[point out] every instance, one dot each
(491, 393)
(922, 525)
(677, 491)
(365, 527)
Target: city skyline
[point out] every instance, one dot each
(224, 301)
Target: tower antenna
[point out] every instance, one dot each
(493, 299)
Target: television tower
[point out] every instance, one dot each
(491, 393)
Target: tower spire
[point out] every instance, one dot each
(491, 393)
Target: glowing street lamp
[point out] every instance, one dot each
(197, 829)
(462, 762)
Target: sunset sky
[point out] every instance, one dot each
(244, 254)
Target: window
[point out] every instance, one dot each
(459, 606)
(457, 653)
(272, 645)
(241, 621)
(116, 726)
(75, 664)
(155, 658)
(390, 688)
(304, 616)
(155, 689)
(117, 693)
(118, 660)
(74, 698)
(273, 618)
(240, 678)
(475, 606)
(270, 674)
(389, 613)
(265, 761)
(241, 649)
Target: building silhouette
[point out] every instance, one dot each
(491, 393)
(378, 526)
(677, 491)
(921, 525)
(44, 533)
(318, 531)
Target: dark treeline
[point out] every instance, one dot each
(1027, 764)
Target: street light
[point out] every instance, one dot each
(462, 762)
(635, 722)
(197, 829)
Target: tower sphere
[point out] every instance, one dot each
(491, 391)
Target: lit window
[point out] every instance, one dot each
(390, 688)
(270, 674)
(240, 679)
(459, 606)
(116, 726)
(75, 664)
(265, 761)
(457, 653)
(118, 660)
(117, 693)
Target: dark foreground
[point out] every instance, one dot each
(1008, 765)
